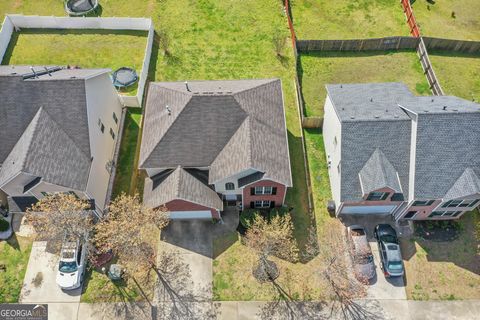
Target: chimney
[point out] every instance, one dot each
(168, 110)
(186, 86)
(444, 108)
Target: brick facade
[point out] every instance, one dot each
(278, 198)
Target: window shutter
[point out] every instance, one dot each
(274, 190)
(272, 204)
(252, 205)
(252, 191)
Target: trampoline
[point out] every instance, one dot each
(80, 7)
(124, 77)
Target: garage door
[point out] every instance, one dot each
(178, 215)
(368, 209)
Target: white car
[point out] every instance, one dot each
(72, 265)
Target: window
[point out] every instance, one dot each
(423, 203)
(377, 196)
(265, 190)
(262, 204)
(436, 214)
(100, 124)
(451, 204)
(112, 133)
(115, 118)
(229, 186)
(469, 203)
(410, 214)
(457, 213)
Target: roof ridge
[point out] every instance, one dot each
(256, 87)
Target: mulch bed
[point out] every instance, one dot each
(437, 231)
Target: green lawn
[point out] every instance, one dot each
(445, 270)
(319, 69)
(346, 19)
(458, 74)
(128, 147)
(14, 254)
(435, 20)
(83, 48)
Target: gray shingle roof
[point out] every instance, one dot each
(446, 145)
(447, 138)
(467, 184)
(369, 101)
(228, 125)
(44, 124)
(180, 185)
(45, 150)
(378, 173)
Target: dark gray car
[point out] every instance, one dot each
(361, 253)
(392, 264)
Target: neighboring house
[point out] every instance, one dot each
(390, 152)
(58, 129)
(208, 141)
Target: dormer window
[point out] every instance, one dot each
(229, 186)
(377, 196)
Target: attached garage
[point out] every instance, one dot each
(186, 215)
(367, 209)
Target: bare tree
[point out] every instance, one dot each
(61, 215)
(130, 230)
(274, 237)
(339, 275)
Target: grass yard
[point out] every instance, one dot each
(14, 254)
(126, 173)
(84, 48)
(318, 69)
(436, 20)
(446, 270)
(346, 19)
(458, 74)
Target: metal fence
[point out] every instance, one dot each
(375, 44)
(411, 21)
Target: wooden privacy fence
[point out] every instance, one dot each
(412, 23)
(451, 45)
(428, 69)
(381, 44)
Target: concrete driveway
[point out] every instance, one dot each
(43, 266)
(385, 288)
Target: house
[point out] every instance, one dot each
(390, 152)
(58, 130)
(209, 142)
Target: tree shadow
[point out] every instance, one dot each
(176, 295)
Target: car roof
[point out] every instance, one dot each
(393, 252)
(384, 229)
(361, 245)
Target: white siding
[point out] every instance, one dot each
(332, 131)
(220, 185)
(102, 102)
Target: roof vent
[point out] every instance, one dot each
(444, 108)
(352, 117)
(169, 111)
(433, 100)
(426, 111)
(377, 116)
(186, 86)
(455, 110)
(341, 86)
(395, 115)
(371, 99)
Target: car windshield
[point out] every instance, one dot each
(389, 238)
(395, 265)
(67, 267)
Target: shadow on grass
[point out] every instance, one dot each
(13, 242)
(126, 160)
(454, 54)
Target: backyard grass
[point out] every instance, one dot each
(445, 270)
(318, 69)
(346, 19)
(436, 20)
(84, 48)
(14, 254)
(126, 172)
(458, 74)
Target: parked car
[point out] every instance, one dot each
(389, 249)
(72, 265)
(361, 253)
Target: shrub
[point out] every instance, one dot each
(4, 225)
(247, 216)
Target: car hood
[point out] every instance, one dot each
(67, 280)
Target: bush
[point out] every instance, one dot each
(247, 216)
(4, 225)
